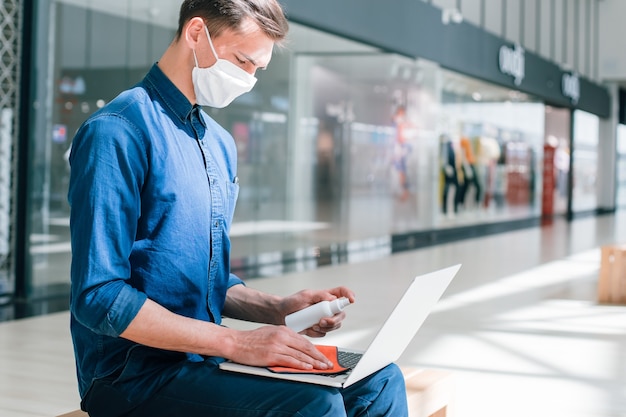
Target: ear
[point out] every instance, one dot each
(193, 31)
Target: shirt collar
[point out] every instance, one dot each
(173, 99)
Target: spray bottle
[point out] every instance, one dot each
(311, 315)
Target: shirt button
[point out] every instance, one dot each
(217, 223)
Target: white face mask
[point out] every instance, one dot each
(218, 85)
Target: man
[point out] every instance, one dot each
(152, 192)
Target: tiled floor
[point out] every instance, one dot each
(519, 326)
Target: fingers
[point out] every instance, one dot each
(306, 298)
(303, 355)
(278, 346)
(319, 360)
(314, 296)
(326, 325)
(343, 292)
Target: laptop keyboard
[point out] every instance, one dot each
(348, 359)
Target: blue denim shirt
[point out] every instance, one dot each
(152, 193)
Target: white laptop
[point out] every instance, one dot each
(388, 344)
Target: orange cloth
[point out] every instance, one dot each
(467, 148)
(329, 351)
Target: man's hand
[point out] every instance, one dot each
(248, 304)
(305, 298)
(276, 346)
(266, 346)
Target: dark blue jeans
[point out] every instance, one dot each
(190, 389)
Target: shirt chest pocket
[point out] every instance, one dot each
(232, 192)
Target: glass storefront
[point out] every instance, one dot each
(366, 130)
(491, 150)
(88, 52)
(339, 142)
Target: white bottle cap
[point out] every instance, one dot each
(339, 304)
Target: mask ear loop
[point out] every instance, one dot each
(195, 58)
(206, 29)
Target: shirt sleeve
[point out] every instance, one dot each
(108, 166)
(234, 280)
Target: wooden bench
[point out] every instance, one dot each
(76, 413)
(429, 393)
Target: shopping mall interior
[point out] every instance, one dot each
(487, 133)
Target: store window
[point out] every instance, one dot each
(87, 53)
(399, 145)
(366, 129)
(491, 152)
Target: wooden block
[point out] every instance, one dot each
(77, 413)
(429, 392)
(612, 279)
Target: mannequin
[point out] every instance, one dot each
(449, 172)
(401, 153)
(487, 153)
(468, 165)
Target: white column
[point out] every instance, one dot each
(300, 151)
(607, 154)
